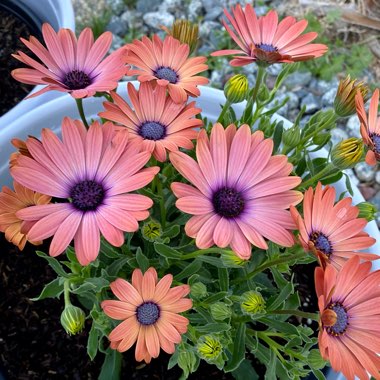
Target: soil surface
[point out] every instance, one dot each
(11, 29)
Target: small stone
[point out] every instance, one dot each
(117, 42)
(337, 135)
(208, 27)
(194, 10)
(132, 19)
(283, 111)
(293, 101)
(328, 98)
(365, 172)
(353, 126)
(209, 5)
(116, 26)
(311, 103)
(214, 14)
(156, 19)
(275, 69)
(171, 6)
(367, 191)
(376, 201)
(117, 6)
(144, 6)
(299, 79)
(377, 177)
(321, 86)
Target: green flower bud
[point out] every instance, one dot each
(198, 290)
(209, 348)
(72, 319)
(236, 89)
(367, 211)
(321, 138)
(220, 311)
(347, 153)
(187, 360)
(151, 230)
(230, 260)
(291, 137)
(252, 303)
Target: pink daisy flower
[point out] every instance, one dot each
(333, 233)
(92, 173)
(349, 305)
(149, 310)
(156, 122)
(240, 193)
(265, 40)
(370, 127)
(167, 63)
(11, 202)
(72, 66)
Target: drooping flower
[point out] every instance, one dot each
(167, 63)
(11, 202)
(71, 65)
(240, 192)
(349, 335)
(156, 122)
(333, 233)
(370, 127)
(266, 41)
(91, 172)
(149, 310)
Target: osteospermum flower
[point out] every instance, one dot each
(370, 127)
(333, 233)
(149, 310)
(72, 66)
(91, 172)
(264, 40)
(167, 63)
(349, 335)
(157, 122)
(11, 202)
(240, 192)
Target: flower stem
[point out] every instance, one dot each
(160, 193)
(259, 81)
(298, 313)
(66, 292)
(200, 252)
(226, 106)
(81, 112)
(325, 171)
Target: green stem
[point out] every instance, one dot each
(160, 192)
(325, 171)
(269, 264)
(200, 252)
(226, 106)
(298, 313)
(81, 111)
(66, 292)
(259, 80)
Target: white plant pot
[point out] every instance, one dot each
(59, 14)
(50, 115)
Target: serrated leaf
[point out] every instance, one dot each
(238, 353)
(52, 290)
(54, 263)
(166, 251)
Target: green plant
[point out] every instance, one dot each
(98, 24)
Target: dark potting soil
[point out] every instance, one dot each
(11, 29)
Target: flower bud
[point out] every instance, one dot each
(72, 319)
(236, 89)
(252, 303)
(187, 360)
(151, 230)
(230, 260)
(321, 138)
(184, 31)
(198, 290)
(367, 211)
(347, 153)
(291, 137)
(209, 347)
(344, 103)
(220, 311)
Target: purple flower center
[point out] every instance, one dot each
(267, 47)
(341, 323)
(151, 130)
(87, 195)
(148, 313)
(321, 242)
(166, 73)
(376, 142)
(76, 80)
(228, 202)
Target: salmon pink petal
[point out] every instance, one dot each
(118, 309)
(162, 288)
(126, 292)
(152, 341)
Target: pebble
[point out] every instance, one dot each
(353, 126)
(328, 98)
(311, 102)
(365, 172)
(299, 79)
(274, 69)
(367, 191)
(377, 177)
(214, 14)
(194, 10)
(117, 27)
(337, 135)
(144, 6)
(156, 19)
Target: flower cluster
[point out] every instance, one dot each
(229, 217)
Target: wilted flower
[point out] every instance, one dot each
(266, 41)
(151, 230)
(209, 347)
(184, 31)
(344, 103)
(236, 89)
(72, 319)
(149, 310)
(370, 127)
(72, 66)
(347, 153)
(367, 211)
(252, 302)
(348, 303)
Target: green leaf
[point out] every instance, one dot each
(319, 375)
(213, 328)
(335, 177)
(277, 136)
(171, 232)
(52, 290)
(111, 366)
(223, 279)
(215, 297)
(190, 269)
(142, 260)
(92, 342)
(117, 265)
(238, 352)
(215, 261)
(348, 185)
(315, 359)
(93, 285)
(54, 263)
(167, 251)
(109, 250)
(276, 302)
(270, 374)
(245, 371)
